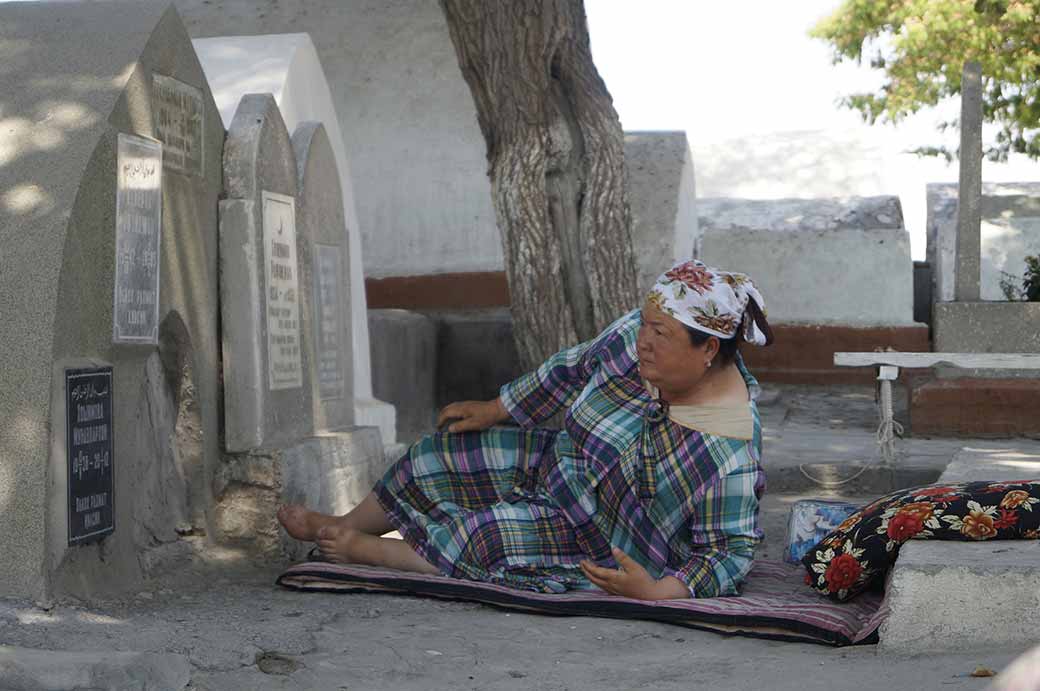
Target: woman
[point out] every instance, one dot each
(650, 490)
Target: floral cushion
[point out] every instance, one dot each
(858, 553)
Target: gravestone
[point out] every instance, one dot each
(267, 400)
(663, 198)
(323, 255)
(287, 66)
(109, 180)
(288, 406)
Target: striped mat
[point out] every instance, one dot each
(774, 602)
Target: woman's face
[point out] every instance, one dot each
(667, 357)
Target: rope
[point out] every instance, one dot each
(889, 429)
(828, 484)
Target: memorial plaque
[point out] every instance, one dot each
(284, 364)
(135, 309)
(177, 114)
(328, 320)
(88, 415)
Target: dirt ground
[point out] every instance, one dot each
(221, 624)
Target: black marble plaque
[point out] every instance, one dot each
(88, 414)
(328, 320)
(177, 115)
(135, 308)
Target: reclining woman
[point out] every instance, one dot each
(649, 491)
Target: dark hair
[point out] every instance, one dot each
(729, 347)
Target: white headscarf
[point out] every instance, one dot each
(709, 300)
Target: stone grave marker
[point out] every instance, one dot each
(290, 434)
(108, 289)
(267, 397)
(324, 260)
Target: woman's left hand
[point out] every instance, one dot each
(631, 580)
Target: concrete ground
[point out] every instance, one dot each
(221, 624)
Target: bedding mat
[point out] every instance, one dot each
(774, 602)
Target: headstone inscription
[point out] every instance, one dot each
(283, 292)
(88, 407)
(323, 239)
(178, 116)
(135, 313)
(328, 319)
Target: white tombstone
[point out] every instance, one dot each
(323, 258)
(267, 399)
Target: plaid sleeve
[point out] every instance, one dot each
(537, 396)
(724, 532)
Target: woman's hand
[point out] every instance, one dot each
(472, 416)
(632, 580)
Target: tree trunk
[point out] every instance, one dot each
(555, 153)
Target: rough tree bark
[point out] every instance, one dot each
(555, 153)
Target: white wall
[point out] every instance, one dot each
(422, 195)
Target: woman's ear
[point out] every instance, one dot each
(711, 348)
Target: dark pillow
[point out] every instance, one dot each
(858, 553)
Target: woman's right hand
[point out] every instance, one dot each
(472, 416)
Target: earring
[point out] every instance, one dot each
(707, 364)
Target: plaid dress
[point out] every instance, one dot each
(522, 506)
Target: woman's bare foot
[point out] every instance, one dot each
(302, 523)
(336, 541)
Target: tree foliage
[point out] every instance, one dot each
(921, 46)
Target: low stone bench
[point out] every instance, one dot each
(946, 595)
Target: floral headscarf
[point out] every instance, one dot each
(709, 300)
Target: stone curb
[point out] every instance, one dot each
(945, 596)
(29, 669)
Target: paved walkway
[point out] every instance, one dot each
(221, 624)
